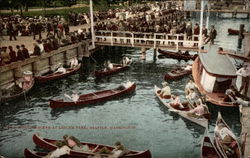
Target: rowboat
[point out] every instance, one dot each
(177, 74)
(49, 144)
(233, 32)
(55, 76)
(7, 97)
(95, 97)
(234, 145)
(202, 121)
(176, 55)
(208, 149)
(116, 69)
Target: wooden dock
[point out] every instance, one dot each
(245, 131)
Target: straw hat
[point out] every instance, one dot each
(164, 84)
(27, 73)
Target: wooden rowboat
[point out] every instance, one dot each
(233, 32)
(177, 74)
(94, 97)
(116, 69)
(208, 149)
(236, 147)
(202, 121)
(9, 97)
(49, 144)
(178, 56)
(55, 76)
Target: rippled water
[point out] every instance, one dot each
(145, 123)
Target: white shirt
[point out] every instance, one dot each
(166, 91)
(73, 62)
(61, 70)
(243, 72)
(60, 151)
(110, 66)
(41, 48)
(75, 97)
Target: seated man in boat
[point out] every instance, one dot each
(198, 111)
(165, 91)
(74, 96)
(25, 82)
(119, 150)
(125, 61)
(61, 69)
(226, 138)
(125, 85)
(74, 144)
(244, 72)
(192, 96)
(108, 66)
(73, 62)
(230, 94)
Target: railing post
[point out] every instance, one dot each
(111, 38)
(177, 46)
(154, 40)
(133, 42)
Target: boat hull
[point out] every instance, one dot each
(52, 77)
(117, 68)
(173, 75)
(175, 55)
(199, 121)
(49, 144)
(237, 150)
(93, 98)
(233, 32)
(4, 99)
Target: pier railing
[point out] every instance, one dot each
(139, 39)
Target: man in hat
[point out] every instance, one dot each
(165, 91)
(244, 72)
(212, 35)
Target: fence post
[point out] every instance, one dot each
(154, 40)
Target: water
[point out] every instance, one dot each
(138, 120)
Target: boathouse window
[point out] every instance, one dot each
(221, 85)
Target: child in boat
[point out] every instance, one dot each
(226, 138)
(165, 91)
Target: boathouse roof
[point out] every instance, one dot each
(217, 64)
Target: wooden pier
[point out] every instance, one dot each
(147, 40)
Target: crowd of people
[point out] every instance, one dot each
(164, 17)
